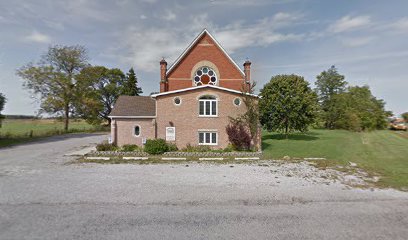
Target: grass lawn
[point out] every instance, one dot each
(15, 131)
(378, 152)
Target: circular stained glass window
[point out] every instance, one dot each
(177, 101)
(205, 75)
(237, 101)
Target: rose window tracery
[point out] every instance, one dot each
(205, 75)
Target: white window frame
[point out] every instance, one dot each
(167, 138)
(204, 138)
(211, 107)
(140, 131)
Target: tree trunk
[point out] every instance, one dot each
(66, 119)
(286, 130)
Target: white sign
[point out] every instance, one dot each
(170, 134)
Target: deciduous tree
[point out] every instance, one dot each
(100, 88)
(358, 110)
(247, 123)
(53, 79)
(2, 103)
(405, 116)
(287, 104)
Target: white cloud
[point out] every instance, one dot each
(262, 33)
(149, 1)
(247, 3)
(356, 41)
(143, 47)
(38, 37)
(401, 25)
(143, 17)
(349, 23)
(169, 15)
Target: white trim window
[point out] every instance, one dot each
(208, 106)
(207, 138)
(137, 131)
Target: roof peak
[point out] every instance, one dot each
(194, 42)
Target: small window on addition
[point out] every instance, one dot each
(237, 101)
(177, 101)
(137, 131)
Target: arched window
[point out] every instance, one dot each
(208, 106)
(137, 131)
(205, 75)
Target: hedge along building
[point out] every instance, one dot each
(198, 94)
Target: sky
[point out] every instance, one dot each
(366, 40)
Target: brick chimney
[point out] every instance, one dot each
(247, 71)
(163, 77)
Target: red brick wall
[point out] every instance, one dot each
(205, 50)
(186, 120)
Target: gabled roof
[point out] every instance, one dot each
(193, 43)
(134, 106)
(199, 87)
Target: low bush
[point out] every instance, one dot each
(239, 136)
(229, 148)
(156, 146)
(199, 148)
(130, 148)
(172, 147)
(102, 147)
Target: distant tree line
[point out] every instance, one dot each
(288, 104)
(68, 85)
(348, 107)
(405, 116)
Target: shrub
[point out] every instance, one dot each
(172, 147)
(156, 146)
(238, 136)
(199, 148)
(229, 148)
(106, 147)
(129, 148)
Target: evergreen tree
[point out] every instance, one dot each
(130, 87)
(329, 83)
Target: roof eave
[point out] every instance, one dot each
(131, 117)
(202, 86)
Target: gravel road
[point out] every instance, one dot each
(42, 197)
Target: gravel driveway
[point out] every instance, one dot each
(41, 197)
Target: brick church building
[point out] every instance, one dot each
(198, 94)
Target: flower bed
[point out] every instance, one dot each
(177, 154)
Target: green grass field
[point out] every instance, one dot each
(15, 131)
(379, 152)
